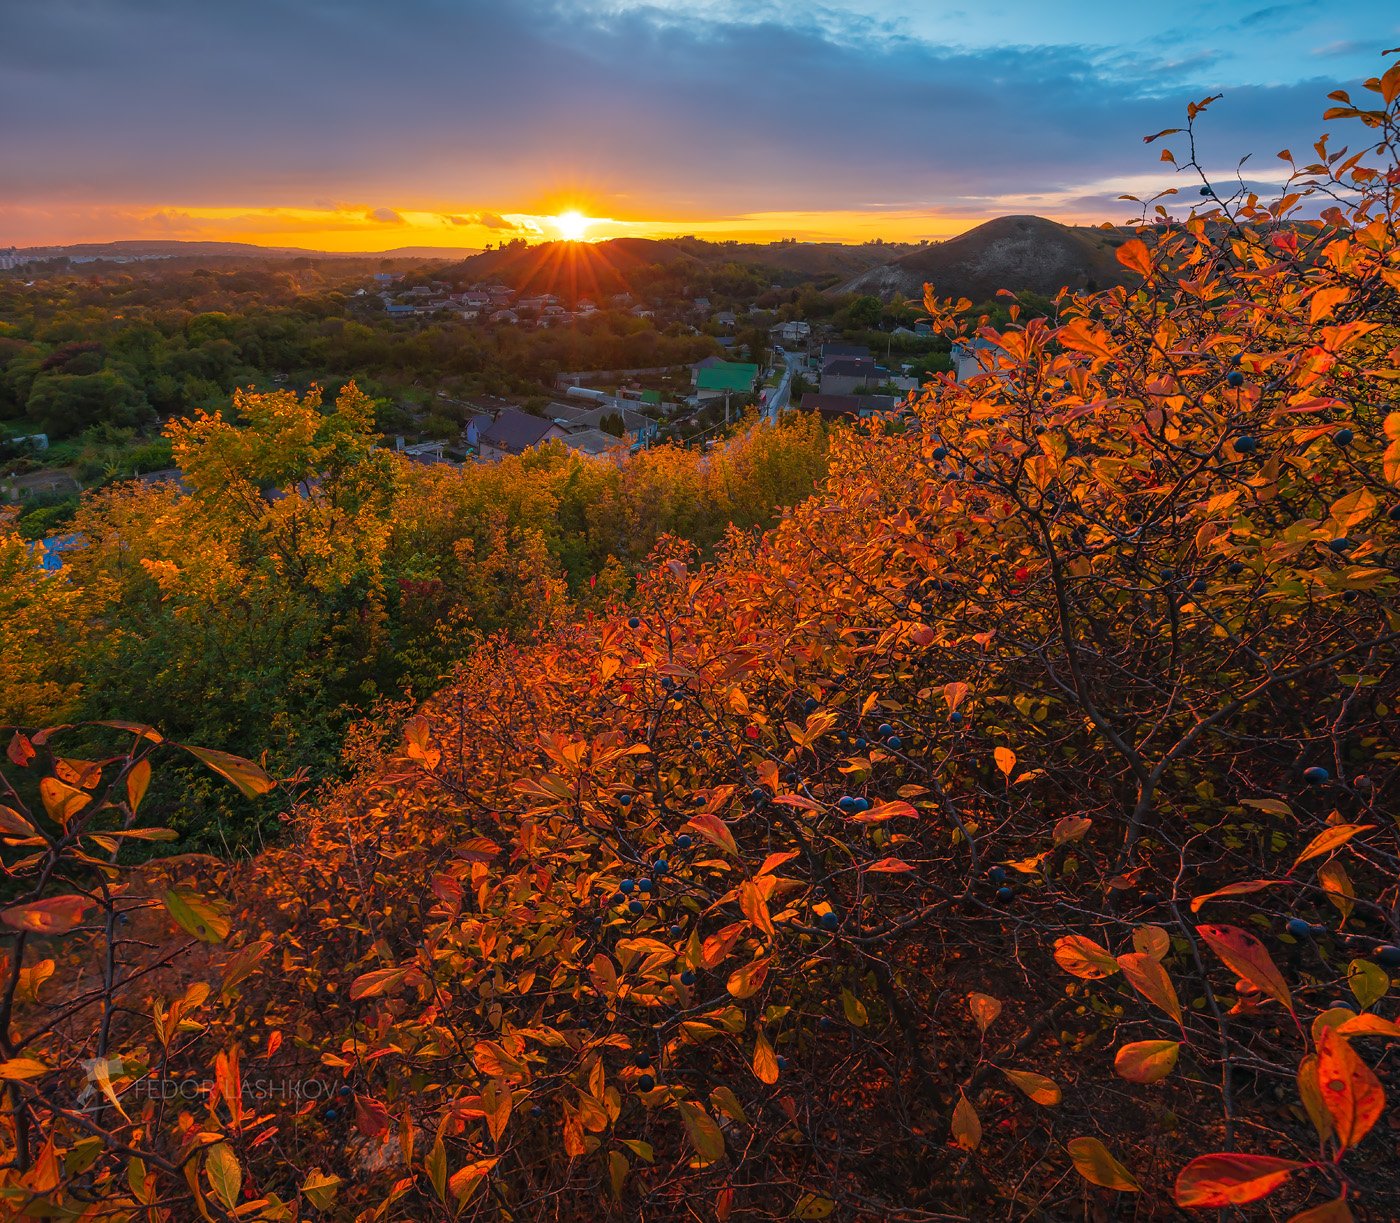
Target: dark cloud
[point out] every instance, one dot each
(518, 104)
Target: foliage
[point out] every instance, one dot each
(1003, 831)
(308, 571)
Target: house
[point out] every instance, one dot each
(714, 381)
(397, 309)
(635, 425)
(833, 406)
(845, 375)
(966, 363)
(790, 333)
(834, 352)
(514, 432)
(724, 319)
(505, 316)
(592, 441)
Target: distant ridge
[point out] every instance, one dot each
(170, 248)
(607, 267)
(1015, 252)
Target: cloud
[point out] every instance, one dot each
(670, 110)
(487, 220)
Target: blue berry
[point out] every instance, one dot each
(641, 1059)
(829, 921)
(940, 453)
(624, 800)
(1345, 1004)
(1340, 545)
(627, 886)
(347, 1090)
(635, 907)
(847, 804)
(645, 884)
(997, 874)
(810, 705)
(1235, 378)
(660, 866)
(1317, 774)
(1343, 437)
(1299, 928)
(634, 623)
(886, 730)
(331, 1114)
(676, 931)
(782, 1062)
(1387, 956)
(862, 804)
(895, 743)
(683, 841)
(955, 718)
(1244, 444)
(645, 1082)
(687, 977)
(1005, 894)
(862, 743)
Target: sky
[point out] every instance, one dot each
(365, 126)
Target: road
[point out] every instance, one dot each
(778, 397)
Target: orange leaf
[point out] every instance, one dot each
(714, 830)
(1084, 958)
(1006, 760)
(1231, 1180)
(1328, 840)
(984, 1009)
(1248, 959)
(1146, 975)
(888, 866)
(1350, 1090)
(765, 1063)
(748, 980)
(1134, 256)
(55, 915)
(884, 811)
(1234, 889)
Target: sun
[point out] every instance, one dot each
(572, 225)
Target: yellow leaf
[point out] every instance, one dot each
(1093, 1162)
(1146, 1061)
(704, 1134)
(967, 1127)
(1006, 760)
(1035, 1087)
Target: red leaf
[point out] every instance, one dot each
(54, 915)
(1230, 1180)
(1350, 1090)
(1248, 959)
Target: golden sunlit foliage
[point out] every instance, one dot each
(1008, 829)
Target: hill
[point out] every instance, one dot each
(160, 248)
(1015, 252)
(612, 266)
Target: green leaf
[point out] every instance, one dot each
(225, 1175)
(247, 776)
(197, 916)
(705, 1135)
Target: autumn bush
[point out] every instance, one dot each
(1008, 832)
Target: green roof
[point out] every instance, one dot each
(651, 396)
(727, 376)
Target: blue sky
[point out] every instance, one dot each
(366, 125)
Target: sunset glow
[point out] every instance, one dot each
(572, 226)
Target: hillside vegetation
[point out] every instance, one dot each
(1007, 833)
(1017, 253)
